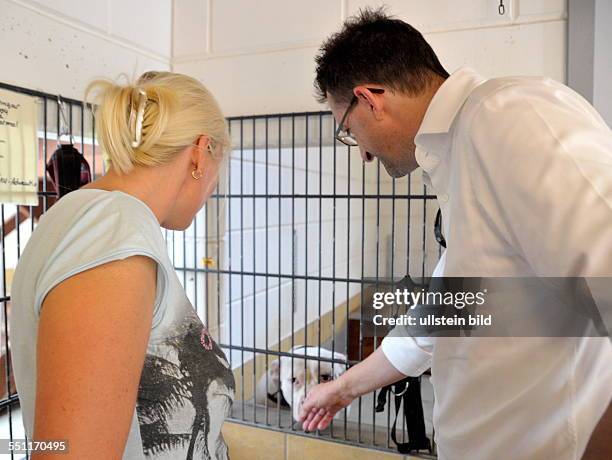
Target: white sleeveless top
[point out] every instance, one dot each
(89, 227)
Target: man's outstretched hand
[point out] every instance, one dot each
(325, 400)
(322, 403)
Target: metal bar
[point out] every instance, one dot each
(359, 440)
(276, 275)
(320, 236)
(333, 303)
(408, 227)
(93, 143)
(6, 337)
(230, 253)
(285, 353)
(266, 263)
(330, 196)
(392, 273)
(242, 261)
(424, 248)
(218, 260)
(278, 115)
(348, 263)
(35, 93)
(82, 105)
(377, 278)
(293, 298)
(306, 248)
(12, 400)
(70, 107)
(254, 277)
(280, 150)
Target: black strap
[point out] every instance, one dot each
(408, 390)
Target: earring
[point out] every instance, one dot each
(193, 174)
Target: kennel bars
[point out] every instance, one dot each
(278, 256)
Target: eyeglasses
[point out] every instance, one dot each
(343, 134)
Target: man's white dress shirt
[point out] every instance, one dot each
(522, 169)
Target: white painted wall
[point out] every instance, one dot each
(58, 46)
(258, 57)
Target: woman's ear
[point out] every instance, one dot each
(200, 151)
(203, 141)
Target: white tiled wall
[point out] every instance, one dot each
(58, 46)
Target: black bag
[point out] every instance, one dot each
(68, 169)
(408, 390)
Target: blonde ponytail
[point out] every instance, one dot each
(176, 110)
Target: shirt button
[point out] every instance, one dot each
(444, 197)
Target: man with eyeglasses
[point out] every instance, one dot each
(522, 169)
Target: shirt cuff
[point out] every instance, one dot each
(406, 356)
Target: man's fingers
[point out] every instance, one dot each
(306, 408)
(310, 402)
(312, 424)
(308, 417)
(326, 420)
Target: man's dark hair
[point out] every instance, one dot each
(373, 47)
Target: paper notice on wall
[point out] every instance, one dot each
(18, 149)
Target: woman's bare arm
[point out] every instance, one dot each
(92, 339)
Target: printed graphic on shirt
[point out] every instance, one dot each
(186, 392)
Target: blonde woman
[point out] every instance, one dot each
(108, 352)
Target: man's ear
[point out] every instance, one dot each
(375, 101)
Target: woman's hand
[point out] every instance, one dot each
(322, 403)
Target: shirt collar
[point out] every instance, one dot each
(432, 138)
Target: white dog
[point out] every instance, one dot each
(292, 387)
